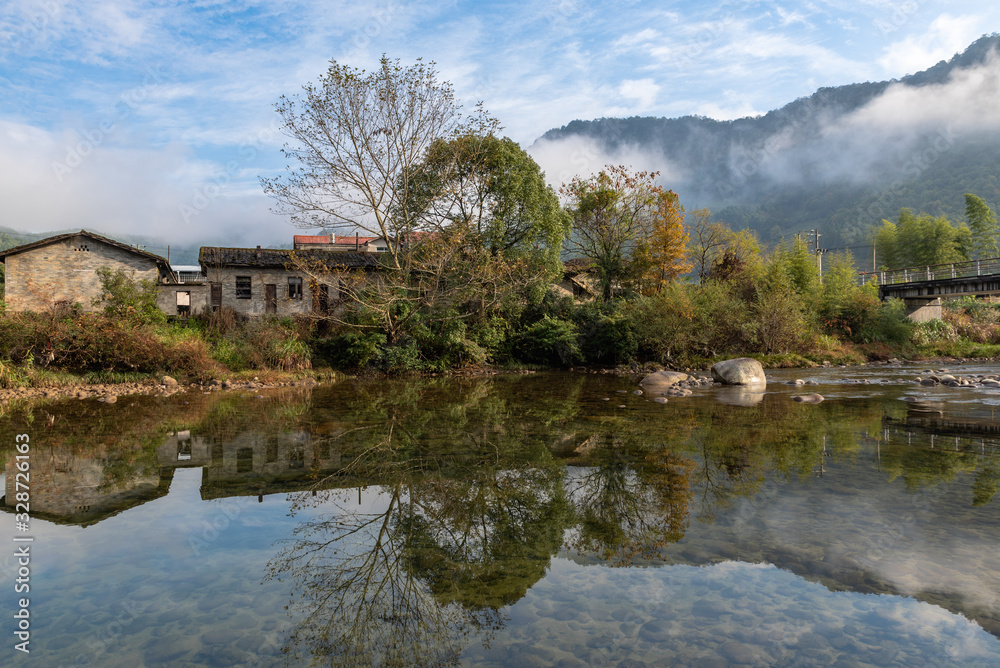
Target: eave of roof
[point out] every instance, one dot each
(162, 261)
(213, 256)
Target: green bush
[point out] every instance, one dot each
(890, 327)
(125, 297)
(352, 349)
(260, 343)
(550, 341)
(606, 335)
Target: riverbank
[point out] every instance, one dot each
(162, 386)
(168, 385)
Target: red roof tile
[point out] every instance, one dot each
(310, 239)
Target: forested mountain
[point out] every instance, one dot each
(839, 160)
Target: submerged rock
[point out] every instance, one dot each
(661, 380)
(808, 398)
(739, 371)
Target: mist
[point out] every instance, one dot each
(889, 139)
(98, 182)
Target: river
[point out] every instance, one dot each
(515, 520)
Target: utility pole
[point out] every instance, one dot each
(819, 252)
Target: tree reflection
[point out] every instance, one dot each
(407, 572)
(631, 504)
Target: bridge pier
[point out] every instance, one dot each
(922, 309)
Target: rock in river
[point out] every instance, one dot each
(739, 371)
(661, 380)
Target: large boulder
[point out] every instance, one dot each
(661, 381)
(740, 371)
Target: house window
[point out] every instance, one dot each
(294, 287)
(243, 287)
(183, 302)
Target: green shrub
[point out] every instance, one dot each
(125, 297)
(891, 327)
(351, 349)
(550, 341)
(606, 336)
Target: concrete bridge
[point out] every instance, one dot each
(923, 288)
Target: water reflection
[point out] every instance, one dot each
(424, 514)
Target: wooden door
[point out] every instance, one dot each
(216, 296)
(270, 298)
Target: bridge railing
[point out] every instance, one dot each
(934, 272)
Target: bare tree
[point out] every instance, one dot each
(357, 138)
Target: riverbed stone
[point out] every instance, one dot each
(739, 371)
(661, 380)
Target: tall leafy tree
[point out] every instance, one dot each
(983, 224)
(663, 256)
(615, 214)
(492, 188)
(921, 240)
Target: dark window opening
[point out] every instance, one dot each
(243, 287)
(244, 460)
(294, 287)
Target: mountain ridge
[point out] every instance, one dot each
(839, 160)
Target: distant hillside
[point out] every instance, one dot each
(839, 160)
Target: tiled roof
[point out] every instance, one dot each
(351, 240)
(578, 265)
(311, 239)
(212, 256)
(160, 261)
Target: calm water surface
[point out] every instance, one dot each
(541, 520)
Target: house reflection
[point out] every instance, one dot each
(70, 487)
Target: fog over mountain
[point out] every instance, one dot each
(838, 161)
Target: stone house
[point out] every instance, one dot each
(283, 282)
(577, 281)
(185, 293)
(62, 270)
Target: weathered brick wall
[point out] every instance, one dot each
(258, 279)
(41, 277)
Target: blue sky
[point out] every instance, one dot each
(157, 117)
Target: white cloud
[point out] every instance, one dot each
(564, 159)
(643, 91)
(946, 36)
(736, 105)
(71, 182)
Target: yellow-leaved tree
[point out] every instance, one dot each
(662, 257)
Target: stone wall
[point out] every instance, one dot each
(199, 298)
(65, 272)
(259, 278)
